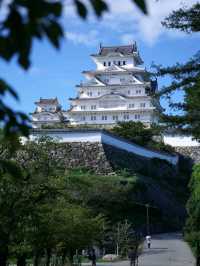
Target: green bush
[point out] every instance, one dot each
(140, 134)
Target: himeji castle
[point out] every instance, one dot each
(119, 89)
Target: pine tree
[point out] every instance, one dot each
(185, 78)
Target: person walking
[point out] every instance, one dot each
(92, 257)
(132, 255)
(148, 239)
(77, 259)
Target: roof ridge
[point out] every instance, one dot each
(127, 45)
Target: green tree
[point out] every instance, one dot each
(192, 228)
(185, 78)
(123, 234)
(184, 19)
(141, 134)
(38, 213)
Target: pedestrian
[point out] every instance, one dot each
(148, 239)
(77, 259)
(132, 255)
(92, 257)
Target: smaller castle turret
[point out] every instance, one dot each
(47, 112)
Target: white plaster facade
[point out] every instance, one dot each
(47, 112)
(118, 90)
(102, 136)
(180, 141)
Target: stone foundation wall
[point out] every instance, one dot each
(190, 152)
(106, 159)
(82, 154)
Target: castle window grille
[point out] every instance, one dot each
(115, 117)
(126, 117)
(137, 116)
(89, 93)
(93, 117)
(131, 105)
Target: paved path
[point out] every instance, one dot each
(166, 250)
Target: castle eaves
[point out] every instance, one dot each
(47, 101)
(123, 49)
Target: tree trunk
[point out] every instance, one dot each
(48, 256)
(3, 254)
(21, 260)
(36, 258)
(3, 258)
(70, 255)
(64, 257)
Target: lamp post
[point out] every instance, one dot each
(147, 218)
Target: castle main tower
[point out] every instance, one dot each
(119, 89)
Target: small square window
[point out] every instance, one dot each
(119, 63)
(137, 116)
(109, 63)
(89, 93)
(126, 117)
(124, 63)
(104, 63)
(93, 117)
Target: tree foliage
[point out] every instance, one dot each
(49, 212)
(185, 78)
(192, 228)
(184, 19)
(143, 135)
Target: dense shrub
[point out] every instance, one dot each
(192, 229)
(143, 135)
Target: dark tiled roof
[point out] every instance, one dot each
(47, 101)
(125, 49)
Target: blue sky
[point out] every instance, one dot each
(55, 73)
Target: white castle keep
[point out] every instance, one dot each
(119, 89)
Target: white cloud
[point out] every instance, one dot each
(126, 18)
(127, 22)
(90, 38)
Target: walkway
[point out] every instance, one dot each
(166, 250)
